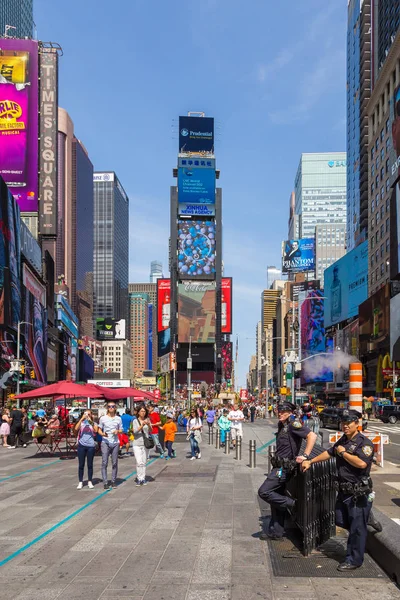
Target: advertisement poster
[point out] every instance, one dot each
(110, 329)
(298, 255)
(196, 188)
(164, 342)
(10, 259)
(196, 249)
(150, 338)
(374, 321)
(313, 339)
(346, 285)
(226, 305)
(303, 286)
(34, 336)
(395, 328)
(227, 360)
(196, 134)
(196, 312)
(163, 304)
(19, 120)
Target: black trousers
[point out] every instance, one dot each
(272, 491)
(353, 515)
(16, 435)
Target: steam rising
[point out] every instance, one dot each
(320, 363)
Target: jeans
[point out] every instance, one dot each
(157, 443)
(194, 446)
(141, 458)
(171, 452)
(108, 450)
(88, 453)
(223, 433)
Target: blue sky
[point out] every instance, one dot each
(272, 74)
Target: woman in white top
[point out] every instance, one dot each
(194, 428)
(141, 427)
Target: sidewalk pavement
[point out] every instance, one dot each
(187, 535)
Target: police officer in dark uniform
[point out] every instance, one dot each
(289, 437)
(354, 453)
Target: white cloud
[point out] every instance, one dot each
(279, 62)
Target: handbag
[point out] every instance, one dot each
(197, 435)
(148, 441)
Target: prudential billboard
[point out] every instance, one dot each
(346, 285)
(19, 120)
(196, 134)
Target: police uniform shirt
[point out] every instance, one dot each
(289, 438)
(359, 446)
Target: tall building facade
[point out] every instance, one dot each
(358, 94)
(156, 271)
(18, 14)
(293, 225)
(118, 357)
(330, 245)
(320, 191)
(385, 25)
(111, 247)
(83, 202)
(139, 316)
(149, 289)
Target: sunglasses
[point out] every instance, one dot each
(111, 406)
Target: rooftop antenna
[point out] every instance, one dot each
(7, 29)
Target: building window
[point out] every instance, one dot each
(372, 260)
(377, 256)
(387, 165)
(372, 189)
(377, 181)
(382, 154)
(377, 144)
(377, 218)
(382, 211)
(382, 230)
(382, 269)
(382, 135)
(387, 225)
(382, 250)
(387, 245)
(387, 125)
(377, 200)
(372, 205)
(377, 237)
(387, 145)
(382, 174)
(372, 155)
(372, 277)
(387, 185)
(372, 243)
(377, 163)
(373, 170)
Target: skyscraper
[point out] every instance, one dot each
(358, 94)
(385, 25)
(18, 14)
(111, 247)
(156, 271)
(149, 291)
(139, 314)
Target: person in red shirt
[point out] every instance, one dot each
(156, 422)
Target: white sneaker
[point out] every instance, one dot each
(12, 447)
(193, 458)
(79, 486)
(199, 455)
(90, 485)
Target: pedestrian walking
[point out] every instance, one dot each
(210, 416)
(111, 425)
(87, 430)
(141, 428)
(194, 429)
(354, 454)
(252, 413)
(16, 428)
(155, 431)
(5, 427)
(170, 430)
(288, 442)
(236, 418)
(225, 425)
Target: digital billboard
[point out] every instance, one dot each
(227, 360)
(34, 329)
(374, 321)
(10, 259)
(196, 134)
(395, 328)
(110, 329)
(164, 342)
(303, 286)
(163, 304)
(298, 255)
(196, 187)
(226, 305)
(313, 341)
(19, 120)
(196, 312)
(150, 337)
(346, 285)
(196, 249)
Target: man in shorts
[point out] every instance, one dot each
(236, 418)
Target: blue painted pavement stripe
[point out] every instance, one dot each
(62, 522)
(265, 445)
(29, 470)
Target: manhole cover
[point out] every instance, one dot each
(179, 476)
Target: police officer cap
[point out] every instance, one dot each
(349, 416)
(286, 407)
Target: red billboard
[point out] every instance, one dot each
(163, 304)
(226, 305)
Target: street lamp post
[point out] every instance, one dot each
(19, 352)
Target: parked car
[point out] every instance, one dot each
(390, 414)
(331, 417)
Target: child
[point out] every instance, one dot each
(170, 429)
(224, 425)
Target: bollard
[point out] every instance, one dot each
(212, 435)
(209, 436)
(218, 439)
(239, 448)
(271, 454)
(227, 443)
(252, 452)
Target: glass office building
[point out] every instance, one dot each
(82, 193)
(386, 24)
(111, 247)
(320, 191)
(18, 14)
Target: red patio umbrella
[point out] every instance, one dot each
(119, 393)
(63, 388)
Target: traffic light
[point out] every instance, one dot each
(32, 374)
(22, 369)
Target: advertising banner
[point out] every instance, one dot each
(313, 340)
(110, 329)
(374, 321)
(196, 187)
(150, 338)
(196, 249)
(163, 304)
(303, 286)
(164, 342)
(48, 141)
(196, 134)
(19, 120)
(346, 285)
(227, 360)
(33, 285)
(298, 255)
(226, 305)
(196, 312)
(165, 363)
(395, 328)
(10, 259)
(34, 330)
(30, 248)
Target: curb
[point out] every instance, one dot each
(384, 547)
